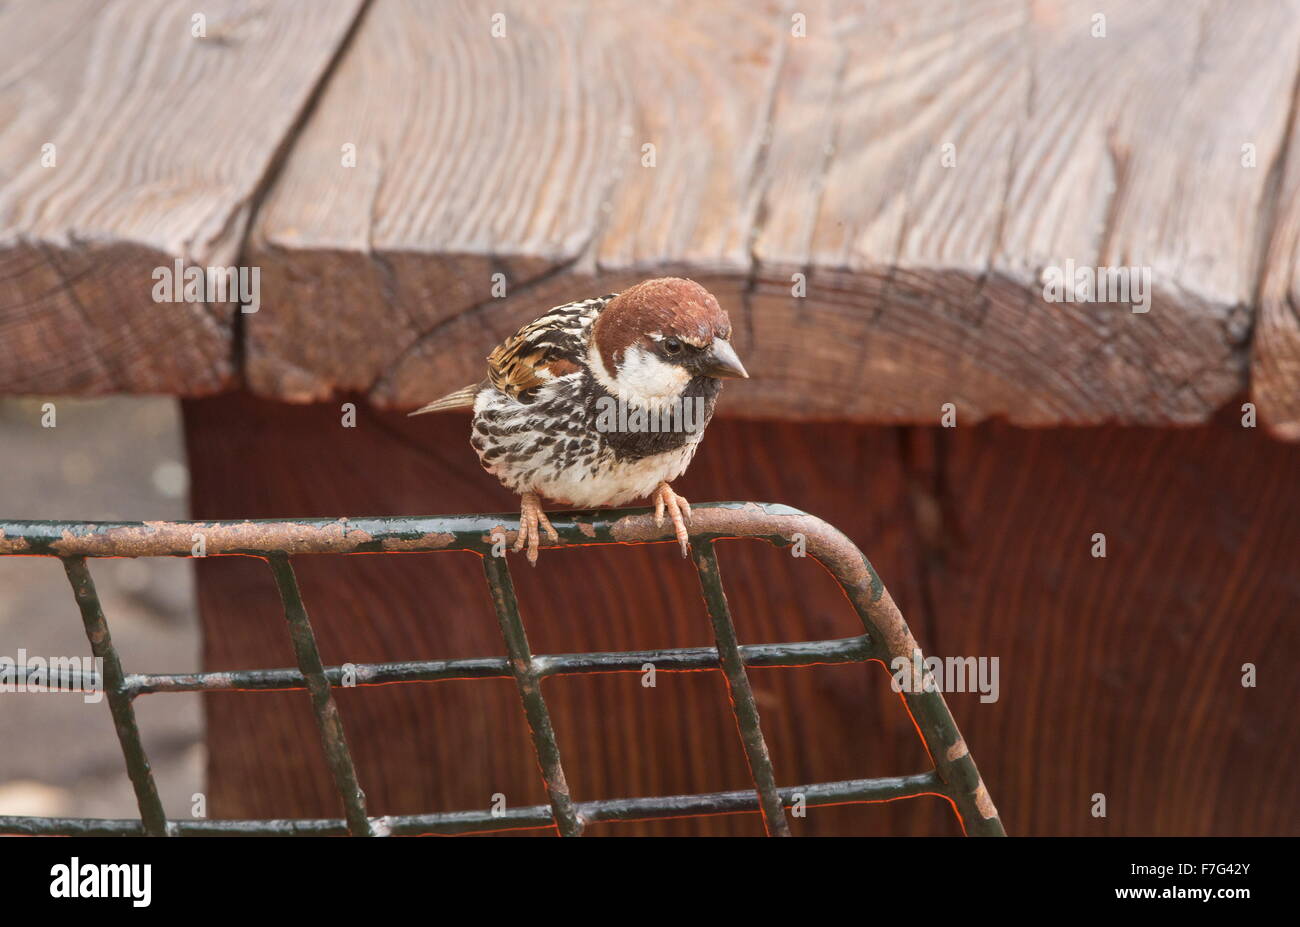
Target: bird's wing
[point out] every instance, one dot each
(553, 346)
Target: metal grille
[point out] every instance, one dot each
(953, 777)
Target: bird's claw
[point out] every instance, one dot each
(531, 519)
(678, 509)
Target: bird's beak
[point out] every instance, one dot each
(722, 362)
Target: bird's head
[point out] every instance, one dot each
(653, 339)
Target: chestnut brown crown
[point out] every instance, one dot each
(671, 307)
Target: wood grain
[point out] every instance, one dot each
(451, 746)
(1115, 151)
(1275, 361)
(519, 155)
(813, 147)
(1119, 675)
(777, 155)
(1123, 676)
(162, 142)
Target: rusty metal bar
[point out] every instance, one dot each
(743, 706)
(532, 817)
(529, 684)
(332, 737)
(152, 816)
(886, 637)
(681, 660)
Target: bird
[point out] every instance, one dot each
(601, 401)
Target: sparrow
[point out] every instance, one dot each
(601, 401)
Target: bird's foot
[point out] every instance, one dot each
(531, 519)
(679, 510)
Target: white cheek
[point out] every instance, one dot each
(647, 380)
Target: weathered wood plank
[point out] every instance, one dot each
(520, 154)
(1115, 151)
(161, 142)
(1275, 360)
(779, 154)
(776, 153)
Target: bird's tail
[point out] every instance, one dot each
(463, 398)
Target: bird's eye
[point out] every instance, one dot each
(671, 346)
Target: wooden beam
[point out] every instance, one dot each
(129, 142)
(1275, 361)
(809, 141)
(777, 154)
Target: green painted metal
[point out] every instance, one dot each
(743, 706)
(534, 817)
(153, 817)
(954, 777)
(529, 684)
(810, 653)
(334, 741)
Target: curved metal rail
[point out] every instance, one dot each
(886, 637)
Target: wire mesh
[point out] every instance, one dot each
(954, 776)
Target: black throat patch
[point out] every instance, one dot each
(633, 433)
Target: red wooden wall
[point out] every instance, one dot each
(1119, 675)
